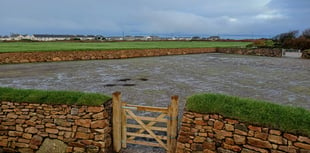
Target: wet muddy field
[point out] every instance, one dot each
(151, 81)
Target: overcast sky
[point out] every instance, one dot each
(134, 17)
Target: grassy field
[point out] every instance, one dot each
(82, 46)
(52, 97)
(285, 118)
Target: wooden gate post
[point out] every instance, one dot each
(117, 124)
(173, 124)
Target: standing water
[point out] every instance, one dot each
(151, 81)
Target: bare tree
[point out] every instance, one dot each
(306, 33)
(283, 37)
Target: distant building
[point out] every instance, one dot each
(48, 37)
(16, 37)
(184, 38)
(140, 38)
(155, 38)
(115, 38)
(213, 38)
(196, 38)
(51, 37)
(5, 38)
(129, 38)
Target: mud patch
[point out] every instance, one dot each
(143, 79)
(128, 85)
(125, 85)
(124, 80)
(110, 85)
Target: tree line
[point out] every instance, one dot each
(293, 40)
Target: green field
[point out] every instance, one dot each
(83, 46)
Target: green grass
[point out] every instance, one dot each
(285, 118)
(51, 97)
(82, 46)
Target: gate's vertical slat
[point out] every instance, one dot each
(117, 118)
(124, 126)
(174, 123)
(169, 129)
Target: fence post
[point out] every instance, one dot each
(173, 124)
(117, 124)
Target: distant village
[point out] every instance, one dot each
(54, 37)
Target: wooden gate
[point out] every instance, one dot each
(145, 127)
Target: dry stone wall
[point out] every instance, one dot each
(306, 54)
(30, 57)
(24, 127)
(255, 51)
(210, 133)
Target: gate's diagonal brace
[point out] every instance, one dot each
(150, 124)
(146, 128)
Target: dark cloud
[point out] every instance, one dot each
(152, 17)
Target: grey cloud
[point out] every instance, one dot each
(161, 16)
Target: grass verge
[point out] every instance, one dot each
(52, 97)
(285, 118)
(82, 46)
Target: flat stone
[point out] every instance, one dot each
(92, 149)
(222, 150)
(255, 128)
(94, 109)
(256, 149)
(61, 122)
(302, 145)
(244, 150)
(11, 115)
(241, 127)
(275, 132)
(229, 127)
(83, 122)
(259, 143)
(52, 145)
(196, 147)
(98, 124)
(50, 130)
(25, 150)
(32, 130)
(98, 116)
(15, 133)
(239, 139)
(275, 139)
(74, 111)
(304, 139)
(22, 145)
(221, 134)
(261, 135)
(290, 149)
(81, 135)
(199, 139)
(218, 125)
(27, 136)
(4, 142)
(209, 145)
(232, 147)
(36, 140)
(290, 137)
